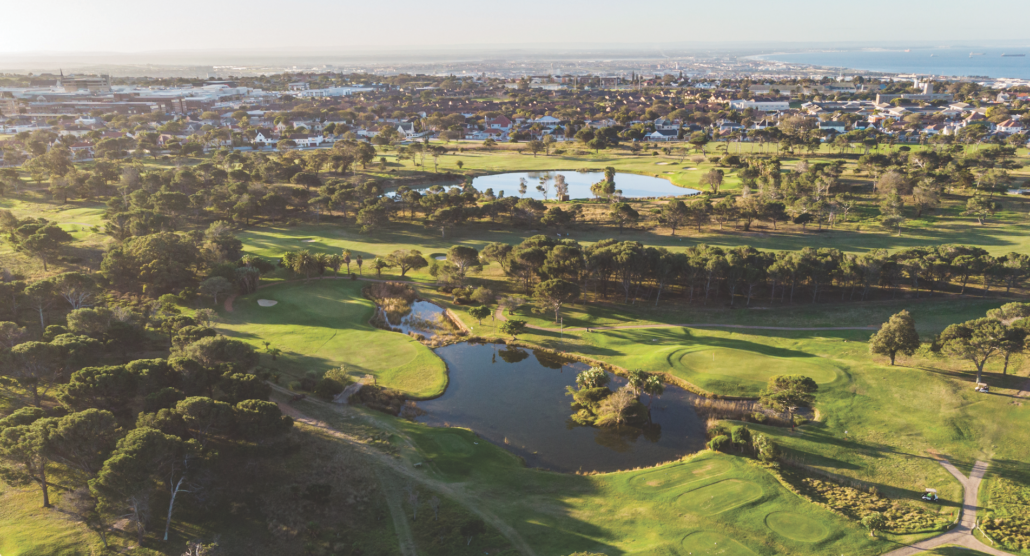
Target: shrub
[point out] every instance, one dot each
(720, 443)
(328, 388)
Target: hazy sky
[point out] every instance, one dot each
(134, 26)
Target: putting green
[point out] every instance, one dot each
(323, 324)
(680, 474)
(453, 444)
(728, 363)
(796, 527)
(720, 497)
(707, 543)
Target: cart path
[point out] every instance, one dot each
(961, 534)
(454, 491)
(499, 315)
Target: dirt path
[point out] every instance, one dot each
(499, 315)
(961, 534)
(394, 501)
(228, 303)
(454, 491)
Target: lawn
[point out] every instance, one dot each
(26, 529)
(323, 324)
(671, 509)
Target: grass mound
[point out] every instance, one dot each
(680, 474)
(707, 543)
(746, 370)
(721, 496)
(323, 324)
(796, 527)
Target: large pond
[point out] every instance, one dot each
(631, 185)
(516, 398)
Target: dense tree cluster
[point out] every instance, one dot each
(709, 273)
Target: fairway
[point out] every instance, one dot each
(796, 527)
(720, 497)
(681, 474)
(322, 324)
(706, 543)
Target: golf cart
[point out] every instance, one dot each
(983, 388)
(931, 495)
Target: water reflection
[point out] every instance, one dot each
(517, 398)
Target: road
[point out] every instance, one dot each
(962, 534)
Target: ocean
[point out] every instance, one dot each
(945, 61)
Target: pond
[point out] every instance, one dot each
(424, 318)
(516, 398)
(632, 185)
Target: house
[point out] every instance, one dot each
(307, 140)
(763, 105)
(298, 86)
(407, 130)
(662, 135)
(665, 124)
(728, 126)
(500, 122)
(265, 137)
(1008, 127)
(547, 121)
(81, 150)
(834, 126)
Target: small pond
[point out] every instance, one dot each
(516, 398)
(632, 185)
(425, 318)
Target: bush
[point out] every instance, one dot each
(720, 443)
(328, 388)
(483, 296)
(759, 417)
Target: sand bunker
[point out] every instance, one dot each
(309, 240)
(689, 168)
(266, 302)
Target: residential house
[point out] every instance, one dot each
(662, 135)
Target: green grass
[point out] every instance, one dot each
(323, 324)
(647, 511)
(796, 526)
(26, 529)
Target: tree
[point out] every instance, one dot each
(464, 260)
(874, 521)
(45, 243)
(76, 288)
(622, 214)
(36, 366)
(406, 260)
(83, 440)
(699, 139)
(674, 215)
(513, 327)
(557, 292)
(261, 420)
(11, 334)
(535, 146)
(975, 341)
(594, 377)
(896, 335)
(128, 476)
(892, 212)
(713, 179)
(41, 295)
(786, 391)
(219, 350)
(25, 449)
(479, 313)
(980, 206)
(215, 286)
